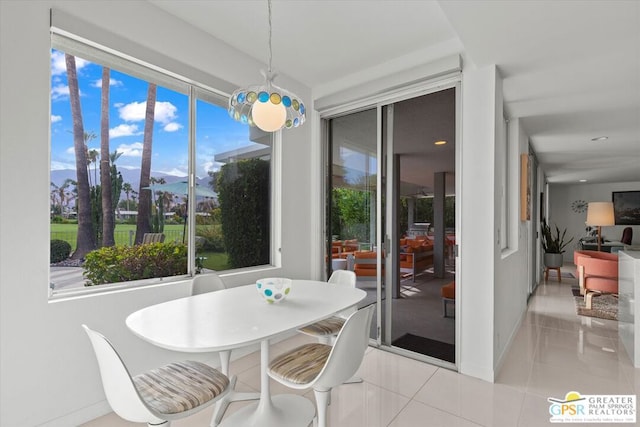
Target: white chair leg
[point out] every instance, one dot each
(322, 401)
(220, 407)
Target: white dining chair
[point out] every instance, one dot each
(156, 397)
(326, 330)
(211, 282)
(323, 367)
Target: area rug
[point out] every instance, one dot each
(603, 307)
(438, 349)
(568, 275)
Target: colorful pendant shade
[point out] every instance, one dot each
(267, 106)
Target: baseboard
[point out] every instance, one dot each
(80, 416)
(507, 347)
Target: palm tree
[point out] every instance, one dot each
(92, 158)
(60, 193)
(108, 217)
(116, 181)
(128, 189)
(85, 240)
(143, 222)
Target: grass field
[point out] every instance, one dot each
(125, 234)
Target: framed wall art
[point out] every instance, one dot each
(626, 207)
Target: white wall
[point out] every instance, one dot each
(475, 282)
(47, 368)
(512, 265)
(560, 213)
(494, 284)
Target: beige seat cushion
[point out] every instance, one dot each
(179, 387)
(302, 364)
(330, 326)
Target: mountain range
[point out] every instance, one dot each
(132, 176)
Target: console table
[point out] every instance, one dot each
(604, 247)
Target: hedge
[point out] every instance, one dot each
(125, 263)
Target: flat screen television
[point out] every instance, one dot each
(626, 207)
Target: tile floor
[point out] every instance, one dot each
(555, 351)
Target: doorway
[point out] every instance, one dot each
(391, 209)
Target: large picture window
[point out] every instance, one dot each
(125, 140)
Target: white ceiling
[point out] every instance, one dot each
(571, 69)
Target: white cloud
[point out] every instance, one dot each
(165, 112)
(57, 166)
(210, 166)
(130, 150)
(55, 118)
(59, 91)
(124, 130)
(70, 150)
(175, 172)
(172, 127)
(59, 65)
(112, 82)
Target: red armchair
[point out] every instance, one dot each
(597, 273)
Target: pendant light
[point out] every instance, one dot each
(267, 106)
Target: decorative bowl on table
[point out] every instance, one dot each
(274, 289)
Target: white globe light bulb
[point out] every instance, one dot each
(267, 116)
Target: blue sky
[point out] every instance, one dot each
(215, 131)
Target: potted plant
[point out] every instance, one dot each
(553, 245)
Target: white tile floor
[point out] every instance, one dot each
(547, 359)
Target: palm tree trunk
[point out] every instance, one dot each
(143, 222)
(108, 219)
(85, 241)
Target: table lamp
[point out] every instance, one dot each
(600, 214)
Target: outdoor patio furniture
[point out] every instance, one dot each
(152, 238)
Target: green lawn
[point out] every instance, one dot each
(125, 233)
(122, 233)
(215, 260)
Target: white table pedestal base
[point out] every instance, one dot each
(283, 410)
(233, 396)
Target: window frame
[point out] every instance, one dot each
(96, 53)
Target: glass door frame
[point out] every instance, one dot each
(385, 235)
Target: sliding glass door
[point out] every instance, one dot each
(352, 200)
(419, 139)
(391, 209)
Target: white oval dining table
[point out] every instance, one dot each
(237, 317)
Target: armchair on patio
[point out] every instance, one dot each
(597, 273)
(366, 265)
(416, 256)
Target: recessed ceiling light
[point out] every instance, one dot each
(440, 142)
(600, 138)
(583, 180)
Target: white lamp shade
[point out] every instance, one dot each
(268, 116)
(600, 213)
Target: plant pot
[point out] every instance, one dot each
(552, 260)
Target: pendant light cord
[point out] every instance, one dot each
(270, 51)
